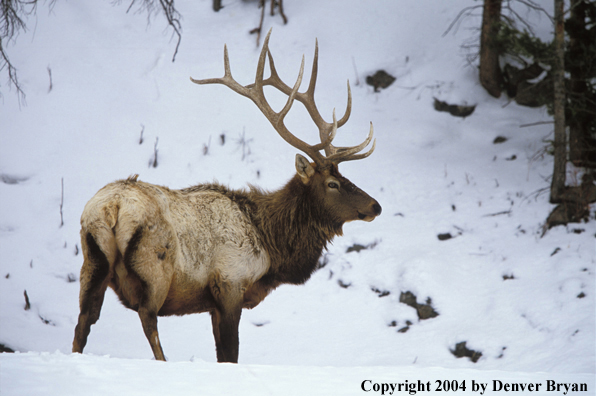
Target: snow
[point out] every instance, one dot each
(112, 77)
(104, 375)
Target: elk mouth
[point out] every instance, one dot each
(366, 218)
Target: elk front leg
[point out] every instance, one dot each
(225, 317)
(225, 331)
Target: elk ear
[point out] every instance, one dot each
(304, 169)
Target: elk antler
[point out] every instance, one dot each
(327, 130)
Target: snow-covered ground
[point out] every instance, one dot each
(526, 302)
(58, 374)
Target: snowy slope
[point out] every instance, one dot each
(525, 302)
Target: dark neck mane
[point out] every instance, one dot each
(294, 229)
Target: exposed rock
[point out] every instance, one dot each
(381, 293)
(342, 284)
(454, 110)
(461, 350)
(381, 79)
(444, 236)
(424, 311)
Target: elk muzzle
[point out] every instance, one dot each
(372, 211)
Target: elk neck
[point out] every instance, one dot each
(295, 228)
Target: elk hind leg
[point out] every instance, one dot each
(151, 286)
(94, 282)
(149, 322)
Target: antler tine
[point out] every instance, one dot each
(325, 134)
(292, 96)
(312, 151)
(227, 79)
(330, 150)
(325, 128)
(261, 64)
(342, 154)
(310, 92)
(346, 116)
(327, 138)
(359, 156)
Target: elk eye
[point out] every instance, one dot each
(333, 185)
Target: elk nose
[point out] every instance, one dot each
(377, 208)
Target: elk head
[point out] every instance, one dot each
(342, 200)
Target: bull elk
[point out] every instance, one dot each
(211, 249)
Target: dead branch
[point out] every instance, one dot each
(505, 212)
(62, 203)
(142, 130)
(169, 10)
(467, 11)
(274, 3)
(536, 123)
(27, 303)
(11, 23)
(153, 162)
(51, 83)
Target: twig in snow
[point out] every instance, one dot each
(536, 194)
(51, 84)
(62, 204)
(142, 130)
(153, 161)
(536, 123)
(257, 30)
(505, 212)
(27, 303)
(206, 146)
(355, 72)
(274, 3)
(244, 145)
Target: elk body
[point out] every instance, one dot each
(211, 249)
